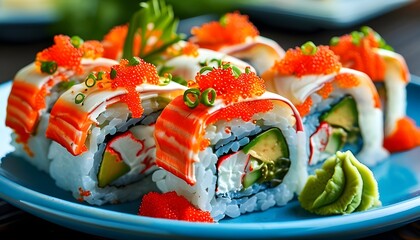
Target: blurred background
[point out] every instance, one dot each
(27, 26)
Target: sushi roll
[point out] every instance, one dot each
(103, 149)
(235, 35)
(239, 148)
(37, 86)
(340, 107)
(368, 52)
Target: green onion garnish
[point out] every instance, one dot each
(80, 97)
(309, 48)
(356, 37)
(90, 81)
(247, 70)
(48, 67)
(165, 80)
(218, 61)
(204, 69)
(76, 41)
(236, 71)
(195, 96)
(99, 76)
(334, 41)
(113, 73)
(208, 97)
(133, 61)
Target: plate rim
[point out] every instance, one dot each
(40, 204)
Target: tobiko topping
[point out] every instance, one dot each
(232, 28)
(67, 52)
(357, 49)
(308, 59)
(171, 206)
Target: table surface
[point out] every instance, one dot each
(400, 28)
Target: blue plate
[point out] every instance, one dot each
(35, 192)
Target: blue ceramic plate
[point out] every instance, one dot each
(33, 191)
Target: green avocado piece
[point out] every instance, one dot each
(339, 194)
(343, 114)
(336, 140)
(370, 193)
(110, 169)
(251, 177)
(268, 146)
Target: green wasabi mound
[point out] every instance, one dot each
(343, 185)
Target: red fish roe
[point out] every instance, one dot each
(305, 107)
(190, 49)
(63, 53)
(92, 49)
(361, 56)
(229, 87)
(295, 62)
(128, 76)
(346, 80)
(406, 136)
(243, 110)
(326, 90)
(171, 206)
(233, 28)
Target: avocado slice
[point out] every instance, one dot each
(269, 156)
(343, 114)
(111, 168)
(336, 140)
(268, 146)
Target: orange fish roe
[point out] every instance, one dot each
(190, 49)
(361, 56)
(114, 40)
(92, 49)
(83, 193)
(305, 107)
(233, 28)
(129, 75)
(346, 80)
(171, 206)
(231, 88)
(295, 62)
(243, 110)
(63, 53)
(406, 136)
(326, 90)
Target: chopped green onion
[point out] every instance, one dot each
(133, 61)
(180, 80)
(309, 48)
(366, 30)
(247, 70)
(76, 41)
(204, 69)
(80, 97)
(113, 73)
(236, 71)
(218, 61)
(165, 80)
(356, 37)
(203, 63)
(334, 41)
(208, 97)
(49, 67)
(223, 20)
(226, 65)
(90, 81)
(195, 92)
(99, 76)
